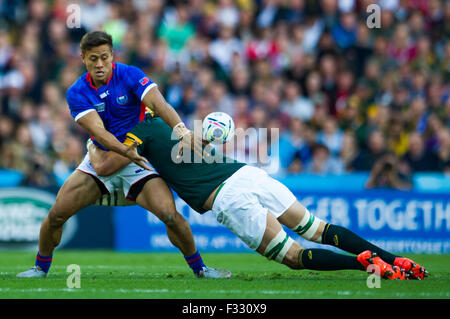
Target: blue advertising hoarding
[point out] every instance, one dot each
(404, 222)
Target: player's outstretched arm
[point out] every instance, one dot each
(156, 101)
(92, 123)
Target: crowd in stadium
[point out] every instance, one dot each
(345, 97)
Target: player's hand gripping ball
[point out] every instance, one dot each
(218, 128)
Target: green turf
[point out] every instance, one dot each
(106, 274)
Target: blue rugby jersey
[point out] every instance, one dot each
(118, 102)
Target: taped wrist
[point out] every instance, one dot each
(181, 130)
(308, 226)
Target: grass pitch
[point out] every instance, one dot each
(111, 275)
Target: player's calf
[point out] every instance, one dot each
(283, 249)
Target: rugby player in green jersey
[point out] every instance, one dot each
(254, 206)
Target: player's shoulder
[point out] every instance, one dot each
(123, 68)
(132, 75)
(78, 88)
(80, 92)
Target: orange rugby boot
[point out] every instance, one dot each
(386, 271)
(415, 270)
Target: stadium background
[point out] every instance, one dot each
(342, 95)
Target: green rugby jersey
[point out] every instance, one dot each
(193, 182)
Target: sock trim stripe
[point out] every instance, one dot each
(43, 259)
(324, 234)
(300, 260)
(194, 260)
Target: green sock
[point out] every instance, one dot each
(322, 259)
(350, 242)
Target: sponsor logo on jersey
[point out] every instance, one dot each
(104, 94)
(122, 99)
(100, 107)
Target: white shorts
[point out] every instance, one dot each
(123, 179)
(244, 201)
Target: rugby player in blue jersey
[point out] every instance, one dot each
(108, 101)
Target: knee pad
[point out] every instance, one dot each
(308, 226)
(278, 246)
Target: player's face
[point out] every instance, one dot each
(98, 61)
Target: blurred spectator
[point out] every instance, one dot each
(329, 12)
(296, 165)
(443, 150)
(293, 144)
(263, 46)
(176, 33)
(331, 136)
(322, 162)
(71, 155)
(116, 25)
(386, 173)
(418, 157)
(239, 81)
(295, 104)
(367, 157)
(95, 13)
(225, 47)
(349, 149)
(227, 13)
(220, 98)
(268, 14)
(397, 138)
(401, 49)
(344, 32)
(313, 69)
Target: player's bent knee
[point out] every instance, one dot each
(173, 220)
(278, 247)
(56, 219)
(308, 226)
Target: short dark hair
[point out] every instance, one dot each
(319, 146)
(94, 39)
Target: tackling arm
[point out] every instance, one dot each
(105, 163)
(92, 123)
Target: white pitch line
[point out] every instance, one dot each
(220, 291)
(124, 290)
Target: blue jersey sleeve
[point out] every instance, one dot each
(78, 104)
(138, 81)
